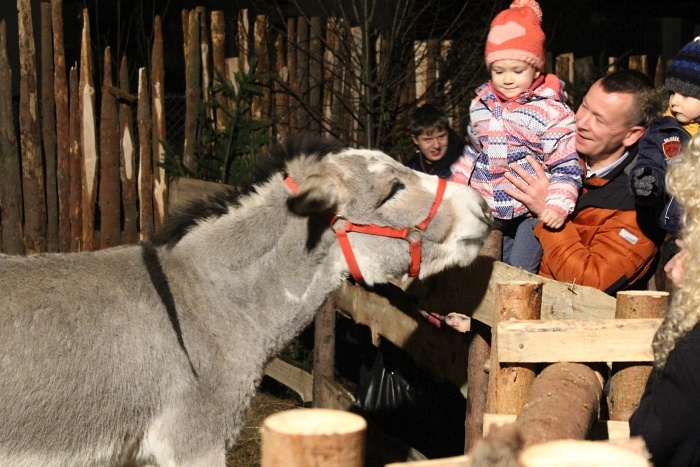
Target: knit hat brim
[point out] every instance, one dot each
(683, 87)
(515, 54)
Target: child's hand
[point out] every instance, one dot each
(552, 219)
(458, 321)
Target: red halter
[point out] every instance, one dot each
(413, 235)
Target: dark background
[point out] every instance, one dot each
(597, 28)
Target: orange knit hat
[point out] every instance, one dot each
(516, 34)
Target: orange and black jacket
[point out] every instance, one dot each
(608, 242)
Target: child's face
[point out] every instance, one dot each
(511, 77)
(683, 108)
(432, 144)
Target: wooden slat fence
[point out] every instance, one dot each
(86, 175)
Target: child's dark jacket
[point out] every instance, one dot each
(658, 148)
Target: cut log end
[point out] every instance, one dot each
(587, 453)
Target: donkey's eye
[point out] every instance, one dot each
(395, 188)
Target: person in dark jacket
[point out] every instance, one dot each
(662, 142)
(668, 416)
(437, 145)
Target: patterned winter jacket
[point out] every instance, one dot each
(538, 123)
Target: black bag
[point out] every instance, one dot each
(384, 388)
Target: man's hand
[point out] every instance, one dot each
(552, 219)
(529, 190)
(643, 182)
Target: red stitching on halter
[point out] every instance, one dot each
(413, 235)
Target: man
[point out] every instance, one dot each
(606, 243)
(437, 146)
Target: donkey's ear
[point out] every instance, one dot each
(318, 193)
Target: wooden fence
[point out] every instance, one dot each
(87, 174)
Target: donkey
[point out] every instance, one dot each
(151, 353)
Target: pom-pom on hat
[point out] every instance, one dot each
(516, 34)
(683, 74)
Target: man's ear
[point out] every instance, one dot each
(633, 135)
(415, 140)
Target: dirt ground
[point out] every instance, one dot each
(269, 400)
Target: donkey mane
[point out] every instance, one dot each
(180, 222)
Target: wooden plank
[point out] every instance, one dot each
(160, 180)
(564, 67)
(48, 126)
(442, 353)
(472, 291)
(614, 340)
(88, 135)
(294, 378)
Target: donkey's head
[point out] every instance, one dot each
(369, 188)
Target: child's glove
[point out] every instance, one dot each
(643, 182)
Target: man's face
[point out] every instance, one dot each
(432, 144)
(685, 109)
(602, 125)
(511, 77)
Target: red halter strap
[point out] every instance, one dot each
(413, 235)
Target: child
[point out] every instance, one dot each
(520, 112)
(663, 140)
(437, 145)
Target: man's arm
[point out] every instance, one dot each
(614, 249)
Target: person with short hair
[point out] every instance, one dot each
(437, 145)
(606, 244)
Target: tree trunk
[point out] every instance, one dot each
(145, 180)
(302, 73)
(218, 40)
(324, 352)
(509, 383)
(160, 181)
(316, 73)
(33, 191)
(281, 117)
(110, 212)
(128, 161)
(48, 126)
(261, 103)
(11, 181)
(193, 93)
(88, 141)
(629, 379)
(60, 83)
(318, 437)
(75, 166)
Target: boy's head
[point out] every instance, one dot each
(429, 129)
(516, 34)
(683, 80)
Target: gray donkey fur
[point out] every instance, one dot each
(151, 353)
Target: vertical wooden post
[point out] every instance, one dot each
(145, 180)
(48, 126)
(11, 180)
(160, 181)
(88, 140)
(316, 73)
(128, 161)
(479, 354)
(110, 212)
(318, 437)
(62, 127)
(261, 103)
(564, 67)
(33, 191)
(337, 69)
(324, 352)
(302, 73)
(639, 63)
(421, 63)
(218, 40)
(193, 92)
(431, 64)
(292, 70)
(243, 40)
(509, 383)
(281, 94)
(204, 53)
(75, 164)
(629, 379)
(659, 73)
(185, 17)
